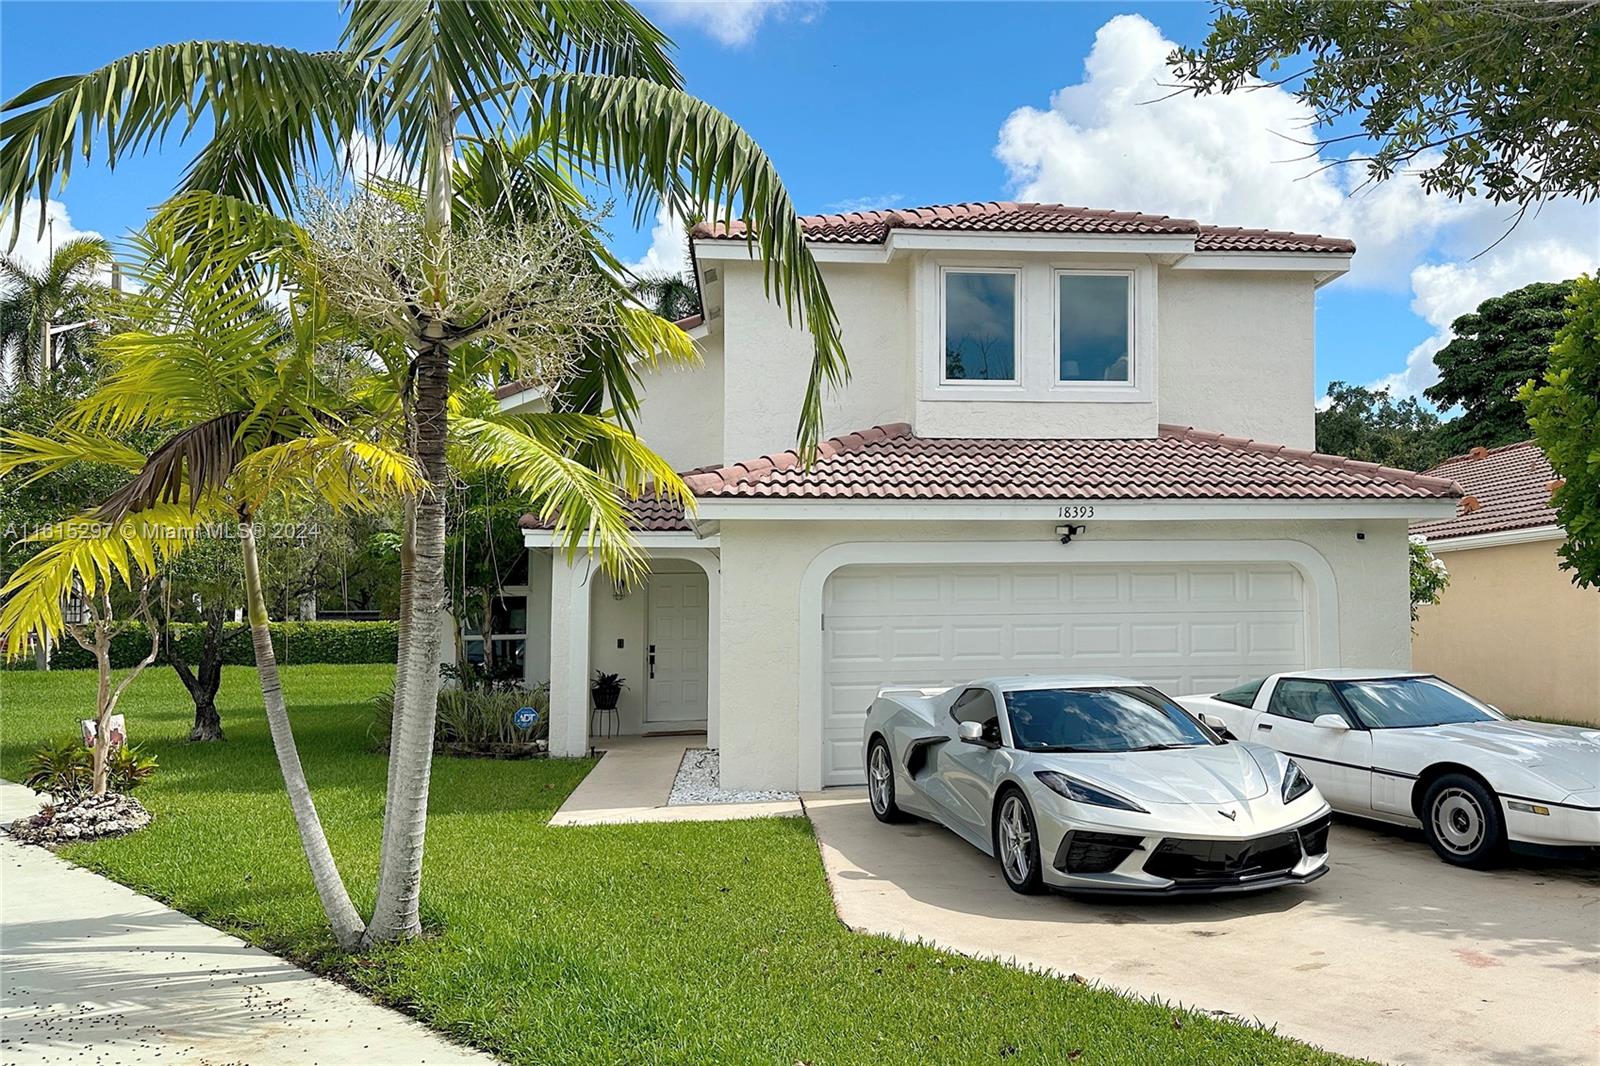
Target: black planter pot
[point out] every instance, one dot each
(605, 699)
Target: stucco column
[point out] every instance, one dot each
(536, 656)
(569, 654)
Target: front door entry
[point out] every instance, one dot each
(676, 650)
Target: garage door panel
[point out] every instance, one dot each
(1182, 628)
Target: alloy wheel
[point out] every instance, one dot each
(1458, 821)
(1015, 839)
(880, 778)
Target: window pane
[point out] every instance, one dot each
(980, 326)
(1305, 701)
(1094, 327)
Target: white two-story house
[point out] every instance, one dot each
(1074, 441)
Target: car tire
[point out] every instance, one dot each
(1461, 819)
(1016, 843)
(880, 783)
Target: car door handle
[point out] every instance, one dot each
(1264, 727)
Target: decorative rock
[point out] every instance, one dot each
(699, 781)
(82, 818)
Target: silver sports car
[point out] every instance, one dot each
(1094, 784)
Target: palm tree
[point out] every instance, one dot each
(251, 403)
(671, 296)
(591, 81)
(36, 303)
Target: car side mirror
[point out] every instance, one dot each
(1334, 722)
(971, 733)
(1215, 724)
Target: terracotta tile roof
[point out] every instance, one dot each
(872, 227)
(890, 462)
(1507, 488)
(647, 514)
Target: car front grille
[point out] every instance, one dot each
(1224, 862)
(1083, 852)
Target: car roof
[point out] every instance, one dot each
(1023, 682)
(1354, 673)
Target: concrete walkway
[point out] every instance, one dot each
(92, 972)
(1392, 956)
(634, 778)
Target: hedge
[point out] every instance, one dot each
(294, 642)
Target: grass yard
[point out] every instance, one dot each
(683, 943)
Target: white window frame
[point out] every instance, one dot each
(1018, 344)
(1060, 384)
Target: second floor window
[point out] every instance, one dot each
(1094, 320)
(980, 326)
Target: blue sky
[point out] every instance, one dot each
(864, 104)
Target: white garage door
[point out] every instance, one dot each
(1183, 628)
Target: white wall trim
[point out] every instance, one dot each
(1498, 539)
(725, 509)
(1331, 263)
(1322, 595)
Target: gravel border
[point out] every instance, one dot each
(698, 782)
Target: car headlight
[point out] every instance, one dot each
(1080, 792)
(1295, 782)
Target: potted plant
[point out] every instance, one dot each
(606, 690)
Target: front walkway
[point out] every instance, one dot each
(1393, 956)
(633, 780)
(96, 973)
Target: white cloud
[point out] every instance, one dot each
(864, 203)
(1118, 139)
(32, 247)
(733, 22)
(669, 250)
(365, 159)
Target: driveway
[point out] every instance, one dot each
(1392, 956)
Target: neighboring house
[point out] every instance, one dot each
(1023, 375)
(1511, 627)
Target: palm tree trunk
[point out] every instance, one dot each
(396, 914)
(342, 914)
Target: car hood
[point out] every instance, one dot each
(1223, 773)
(1566, 756)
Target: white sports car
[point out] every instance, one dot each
(1410, 749)
(1094, 784)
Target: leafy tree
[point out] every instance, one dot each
(1497, 349)
(202, 583)
(36, 303)
(1428, 575)
(1564, 410)
(1369, 425)
(1489, 97)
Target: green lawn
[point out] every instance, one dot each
(685, 943)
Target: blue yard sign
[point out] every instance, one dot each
(526, 718)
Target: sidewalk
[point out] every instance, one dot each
(92, 972)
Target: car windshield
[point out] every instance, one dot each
(1412, 702)
(1100, 719)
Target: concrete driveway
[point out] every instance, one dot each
(1392, 956)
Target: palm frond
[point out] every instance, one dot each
(664, 143)
(311, 102)
(345, 473)
(86, 553)
(68, 447)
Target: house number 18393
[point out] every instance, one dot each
(1076, 510)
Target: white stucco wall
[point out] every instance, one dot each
(768, 360)
(763, 563)
(1238, 353)
(680, 413)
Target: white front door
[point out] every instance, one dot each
(1181, 627)
(675, 653)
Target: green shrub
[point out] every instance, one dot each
(472, 720)
(294, 643)
(65, 768)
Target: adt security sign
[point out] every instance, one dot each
(526, 718)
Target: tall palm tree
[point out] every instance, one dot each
(671, 296)
(420, 78)
(32, 301)
(251, 403)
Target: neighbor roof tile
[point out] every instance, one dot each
(1512, 485)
